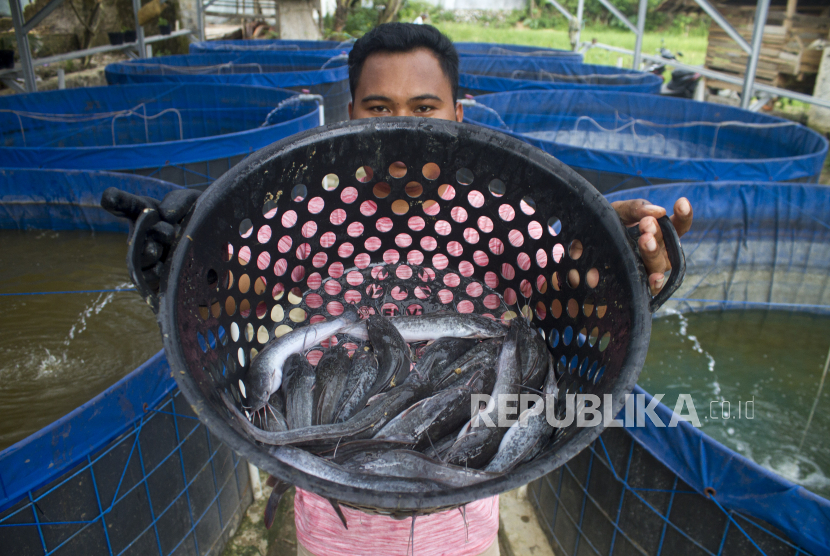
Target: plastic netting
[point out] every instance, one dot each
(268, 45)
(182, 134)
(515, 51)
(651, 491)
(133, 471)
(325, 74)
(496, 74)
(623, 141)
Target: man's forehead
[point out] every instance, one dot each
(411, 74)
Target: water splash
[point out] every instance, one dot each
(93, 309)
(51, 364)
(797, 468)
(684, 331)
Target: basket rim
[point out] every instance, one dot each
(393, 501)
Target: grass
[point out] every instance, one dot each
(693, 47)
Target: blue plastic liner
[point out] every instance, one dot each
(148, 129)
(496, 74)
(620, 141)
(132, 471)
(324, 74)
(269, 45)
(514, 50)
(752, 245)
(66, 199)
(86, 429)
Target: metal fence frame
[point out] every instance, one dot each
(27, 63)
(748, 83)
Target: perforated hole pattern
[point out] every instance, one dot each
(414, 220)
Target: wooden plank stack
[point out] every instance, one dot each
(785, 61)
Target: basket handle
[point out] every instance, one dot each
(676, 257)
(135, 247)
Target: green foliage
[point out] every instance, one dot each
(546, 17)
(162, 21)
(411, 10)
(595, 14)
(361, 21)
(69, 66)
(692, 47)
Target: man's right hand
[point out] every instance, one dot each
(162, 237)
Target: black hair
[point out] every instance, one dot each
(404, 37)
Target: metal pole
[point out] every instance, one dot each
(23, 46)
(618, 14)
(580, 8)
(641, 27)
(139, 30)
(561, 9)
(200, 17)
(755, 51)
(716, 16)
(729, 78)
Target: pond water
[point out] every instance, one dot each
(59, 351)
(772, 359)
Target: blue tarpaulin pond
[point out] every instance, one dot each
(620, 141)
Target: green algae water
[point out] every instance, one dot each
(59, 351)
(772, 359)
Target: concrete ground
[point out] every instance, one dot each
(519, 530)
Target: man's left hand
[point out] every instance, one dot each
(652, 247)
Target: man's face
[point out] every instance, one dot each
(404, 84)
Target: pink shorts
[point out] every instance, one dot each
(320, 530)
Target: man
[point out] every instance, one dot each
(401, 69)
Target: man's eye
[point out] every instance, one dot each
(378, 109)
(423, 109)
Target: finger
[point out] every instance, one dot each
(151, 254)
(649, 225)
(656, 282)
(175, 204)
(124, 204)
(631, 212)
(162, 233)
(682, 217)
(653, 256)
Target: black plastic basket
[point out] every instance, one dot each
(273, 244)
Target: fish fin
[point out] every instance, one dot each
(437, 454)
(338, 511)
(274, 501)
(522, 386)
(412, 536)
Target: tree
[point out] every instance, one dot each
(390, 11)
(341, 14)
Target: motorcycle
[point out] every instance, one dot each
(683, 82)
